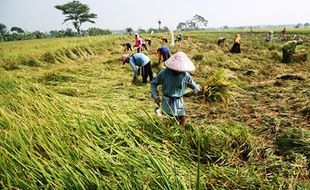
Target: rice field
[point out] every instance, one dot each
(71, 118)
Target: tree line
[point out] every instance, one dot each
(17, 33)
(78, 13)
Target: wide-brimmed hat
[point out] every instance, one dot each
(124, 58)
(180, 62)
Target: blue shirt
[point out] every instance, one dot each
(163, 50)
(173, 88)
(138, 59)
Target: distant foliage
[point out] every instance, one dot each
(17, 29)
(98, 31)
(129, 30)
(2, 28)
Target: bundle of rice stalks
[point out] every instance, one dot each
(218, 88)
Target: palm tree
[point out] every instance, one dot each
(159, 22)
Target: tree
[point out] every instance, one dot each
(191, 24)
(159, 23)
(225, 27)
(17, 29)
(200, 21)
(306, 24)
(298, 25)
(2, 28)
(181, 26)
(195, 23)
(76, 12)
(129, 30)
(140, 31)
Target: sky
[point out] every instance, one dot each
(32, 15)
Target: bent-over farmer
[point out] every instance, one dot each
(141, 60)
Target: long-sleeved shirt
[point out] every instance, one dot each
(290, 46)
(138, 42)
(173, 88)
(138, 59)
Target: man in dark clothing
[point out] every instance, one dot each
(127, 46)
(221, 41)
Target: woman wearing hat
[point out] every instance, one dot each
(174, 80)
(139, 60)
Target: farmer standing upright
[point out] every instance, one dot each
(236, 47)
(138, 43)
(174, 80)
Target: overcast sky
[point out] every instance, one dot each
(41, 15)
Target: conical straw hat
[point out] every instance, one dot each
(180, 62)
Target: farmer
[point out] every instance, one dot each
(163, 52)
(284, 33)
(221, 41)
(127, 46)
(269, 36)
(288, 50)
(138, 43)
(164, 39)
(179, 37)
(174, 80)
(139, 59)
(148, 41)
(236, 46)
(144, 45)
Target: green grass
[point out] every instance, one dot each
(70, 118)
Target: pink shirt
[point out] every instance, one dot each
(138, 42)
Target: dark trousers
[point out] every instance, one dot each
(147, 72)
(235, 48)
(145, 47)
(139, 50)
(127, 47)
(149, 42)
(286, 56)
